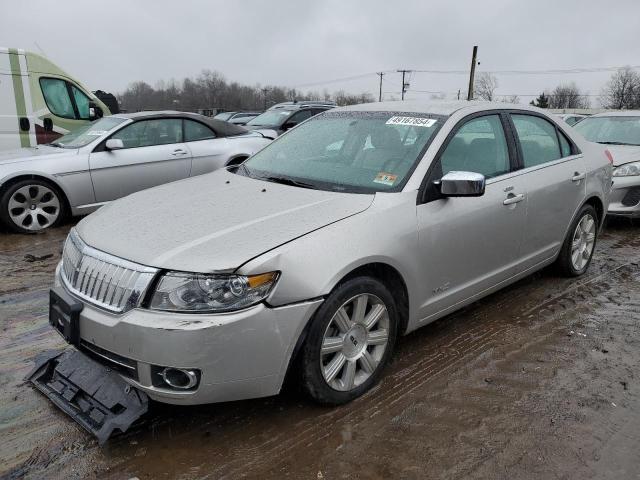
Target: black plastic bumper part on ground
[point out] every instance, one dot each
(92, 394)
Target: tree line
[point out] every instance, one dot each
(621, 92)
(210, 90)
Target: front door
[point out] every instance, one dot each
(470, 244)
(153, 154)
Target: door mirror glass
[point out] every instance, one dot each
(114, 144)
(462, 184)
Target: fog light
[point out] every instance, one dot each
(179, 378)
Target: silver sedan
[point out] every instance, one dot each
(310, 259)
(112, 158)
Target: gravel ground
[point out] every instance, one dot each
(541, 380)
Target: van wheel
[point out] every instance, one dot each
(350, 340)
(577, 249)
(30, 206)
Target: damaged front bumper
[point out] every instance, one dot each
(625, 197)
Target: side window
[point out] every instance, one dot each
(565, 147)
(147, 133)
(298, 117)
(196, 131)
(82, 102)
(478, 146)
(538, 140)
(56, 96)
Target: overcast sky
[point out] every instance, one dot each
(107, 45)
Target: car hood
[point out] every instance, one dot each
(213, 222)
(624, 154)
(27, 154)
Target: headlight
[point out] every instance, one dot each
(195, 292)
(627, 170)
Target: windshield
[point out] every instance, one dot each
(611, 130)
(357, 152)
(270, 118)
(86, 134)
(224, 116)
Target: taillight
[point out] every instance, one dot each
(609, 156)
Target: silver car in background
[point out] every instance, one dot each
(111, 158)
(620, 132)
(310, 258)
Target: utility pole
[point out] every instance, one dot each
(380, 74)
(472, 73)
(264, 93)
(404, 84)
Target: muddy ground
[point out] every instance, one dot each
(541, 380)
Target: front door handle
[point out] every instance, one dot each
(578, 176)
(178, 152)
(513, 198)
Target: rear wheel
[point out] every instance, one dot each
(30, 206)
(577, 249)
(350, 341)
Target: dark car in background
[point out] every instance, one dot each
(283, 116)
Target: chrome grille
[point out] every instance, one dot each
(109, 282)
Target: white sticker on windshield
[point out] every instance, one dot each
(413, 121)
(96, 133)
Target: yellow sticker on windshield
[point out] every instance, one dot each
(385, 178)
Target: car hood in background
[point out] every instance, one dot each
(33, 153)
(623, 154)
(213, 222)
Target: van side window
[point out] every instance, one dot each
(57, 97)
(538, 140)
(82, 102)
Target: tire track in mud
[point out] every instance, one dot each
(472, 337)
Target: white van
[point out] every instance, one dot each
(39, 102)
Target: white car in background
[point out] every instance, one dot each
(620, 131)
(111, 158)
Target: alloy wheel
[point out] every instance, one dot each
(354, 342)
(584, 238)
(34, 207)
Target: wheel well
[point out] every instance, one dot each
(596, 203)
(19, 178)
(237, 160)
(392, 279)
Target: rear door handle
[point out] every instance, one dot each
(578, 176)
(513, 198)
(178, 152)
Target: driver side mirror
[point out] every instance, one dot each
(462, 184)
(114, 144)
(95, 111)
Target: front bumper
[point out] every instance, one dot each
(240, 355)
(625, 197)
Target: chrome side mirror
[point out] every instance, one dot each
(114, 144)
(462, 184)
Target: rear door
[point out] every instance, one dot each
(555, 173)
(208, 152)
(16, 117)
(470, 244)
(153, 154)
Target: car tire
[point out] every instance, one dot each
(341, 358)
(31, 206)
(580, 243)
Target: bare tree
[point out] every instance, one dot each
(511, 99)
(568, 96)
(485, 86)
(622, 91)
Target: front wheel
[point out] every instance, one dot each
(579, 245)
(350, 340)
(30, 206)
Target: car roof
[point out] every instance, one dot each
(619, 113)
(222, 128)
(435, 107)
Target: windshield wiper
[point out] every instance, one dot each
(619, 143)
(56, 144)
(287, 181)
